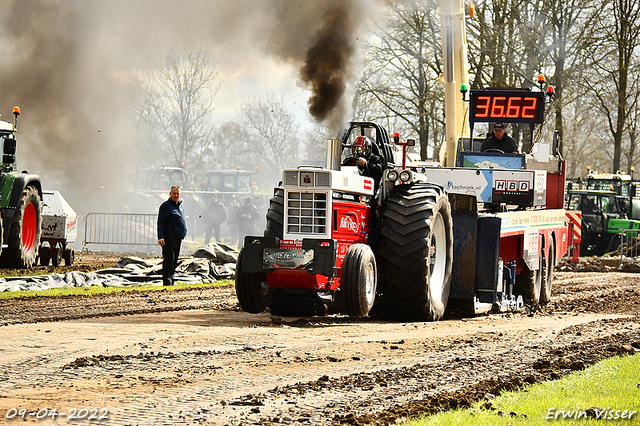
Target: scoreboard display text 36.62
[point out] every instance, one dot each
(507, 106)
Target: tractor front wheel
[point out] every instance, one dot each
(25, 231)
(252, 294)
(358, 281)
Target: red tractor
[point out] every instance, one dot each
(482, 233)
(334, 242)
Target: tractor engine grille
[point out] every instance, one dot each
(306, 212)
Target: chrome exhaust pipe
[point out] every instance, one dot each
(334, 151)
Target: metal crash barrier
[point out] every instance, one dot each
(120, 229)
(629, 247)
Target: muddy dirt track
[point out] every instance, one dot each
(192, 357)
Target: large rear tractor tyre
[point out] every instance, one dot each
(358, 281)
(275, 215)
(25, 231)
(416, 253)
(547, 274)
(252, 294)
(529, 284)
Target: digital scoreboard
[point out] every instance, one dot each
(507, 106)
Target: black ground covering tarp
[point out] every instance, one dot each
(207, 264)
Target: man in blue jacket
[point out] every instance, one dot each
(172, 229)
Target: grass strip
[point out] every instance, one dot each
(95, 290)
(609, 391)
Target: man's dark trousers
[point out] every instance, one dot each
(170, 253)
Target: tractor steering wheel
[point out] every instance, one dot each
(350, 161)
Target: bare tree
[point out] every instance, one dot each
(584, 44)
(403, 65)
(633, 122)
(146, 145)
(582, 146)
(614, 53)
(496, 40)
(178, 105)
(506, 40)
(270, 136)
(314, 143)
(222, 152)
(570, 23)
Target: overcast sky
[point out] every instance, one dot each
(67, 64)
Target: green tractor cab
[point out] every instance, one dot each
(604, 219)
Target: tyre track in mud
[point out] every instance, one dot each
(383, 396)
(47, 309)
(222, 366)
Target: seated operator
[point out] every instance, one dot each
(499, 139)
(369, 164)
(589, 206)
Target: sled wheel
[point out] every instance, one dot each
(252, 294)
(56, 257)
(358, 281)
(43, 255)
(275, 214)
(25, 231)
(547, 274)
(69, 256)
(529, 283)
(416, 252)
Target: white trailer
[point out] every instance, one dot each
(59, 228)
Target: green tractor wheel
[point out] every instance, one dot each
(25, 231)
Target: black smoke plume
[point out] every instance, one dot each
(320, 38)
(327, 65)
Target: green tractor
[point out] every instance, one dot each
(609, 209)
(622, 185)
(598, 209)
(20, 201)
(604, 219)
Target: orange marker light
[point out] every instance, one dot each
(470, 9)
